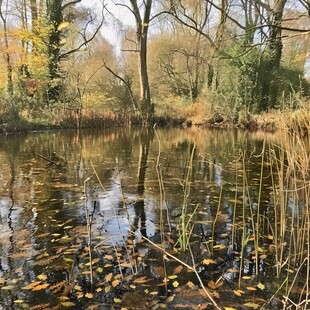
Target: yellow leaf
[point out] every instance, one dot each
(172, 277)
(99, 289)
(261, 286)
(42, 277)
(252, 305)
(246, 278)
(19, 301)
(117, 300)
(107, 289)
(175, 284)
(63, 25)
(78, 288)
(68, 304)
(8, 287)
(251, 288)
(170, 299)
(228, 308)
(154, 293)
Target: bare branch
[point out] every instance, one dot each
(86, 41)
(70, 3)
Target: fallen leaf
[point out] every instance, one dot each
(40, 287)
(31, 285)
(89, 295)
(42, 277)
(208, 261)
(8, 287)
(178, 269)
(175, 284)
(115, 283)
(252, 305)
(108, 277)
(261, 286)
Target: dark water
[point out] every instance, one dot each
(129, 184)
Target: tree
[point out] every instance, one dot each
(141, 13)
(3, 16)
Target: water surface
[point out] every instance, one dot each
(128, 184)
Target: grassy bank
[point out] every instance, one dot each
(179, 113)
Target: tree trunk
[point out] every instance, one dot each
(7, 54)
(142, 26)
(55, 18)
(274, 49)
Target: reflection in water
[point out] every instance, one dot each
(43, 212)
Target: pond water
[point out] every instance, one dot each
(131, 218)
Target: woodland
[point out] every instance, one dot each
(77, 63)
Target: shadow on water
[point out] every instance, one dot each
(67, 243)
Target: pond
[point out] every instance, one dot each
(171, 218)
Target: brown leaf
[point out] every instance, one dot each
(212, 285)
(141, 280)
(115, 283)
(178, 269)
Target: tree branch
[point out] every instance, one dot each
(86, 41)
(70, 3)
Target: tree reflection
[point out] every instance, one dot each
(145, 138)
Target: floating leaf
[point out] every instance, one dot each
(208, 261)
(31, 285)
(110, 257)
(170, 299)
(98, 290)
(107, 289)
(212, 285)
(140, 280)
(251, 288)
(154, 293)
(191, 285)
(261, 286)
(68, 304)
(252, 305)
(172, 277)
(42, 277)
(89, 295)
(246, 278)
(175, 283)
(115, 283)
(8, 287)
(178, 269)
(238, 292)
(108, 277)
(19, 301)
(40, 287)
(228, 308)
(125, 265)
